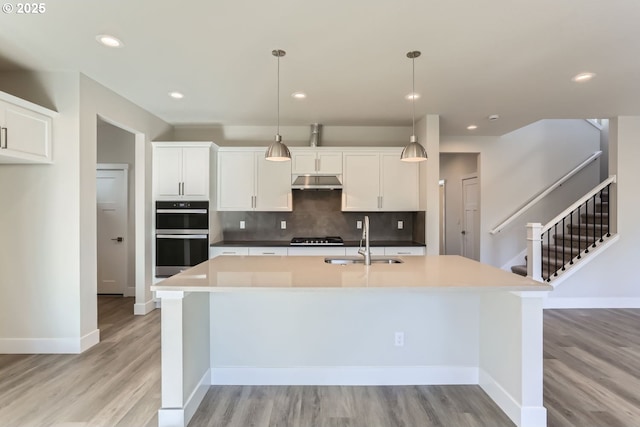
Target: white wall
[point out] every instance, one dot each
(39, 243)
(610, 279)
(48, 228)
(452, 168)
(517, 166)
(116, 145)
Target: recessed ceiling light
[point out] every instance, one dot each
(109, 41)
(412, 96)
(583, 77)
(299, 95)
(472, 127)
(176, 95)
(493, 117)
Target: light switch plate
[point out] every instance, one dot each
(283, 225)
(359, 225)
(400, 225)
(242, 225)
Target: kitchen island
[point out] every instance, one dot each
(298, 320)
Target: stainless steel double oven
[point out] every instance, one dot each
(182, 235)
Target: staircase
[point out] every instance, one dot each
(568, 239)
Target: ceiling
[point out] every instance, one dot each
(514, 58)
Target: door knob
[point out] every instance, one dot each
(463, 232)
(118, 239)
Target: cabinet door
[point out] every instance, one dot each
(398, 184)
(273, 185)
(330, 162)
(26, 135)
(236, 179)
(195, 173)
(167, 172)
(361, 182)
(303, 163)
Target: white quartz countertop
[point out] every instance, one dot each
(449, 272)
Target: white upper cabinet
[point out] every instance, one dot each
(249, 182)
(314, 161)
(25, 131)
(181, 170)
(379, 181)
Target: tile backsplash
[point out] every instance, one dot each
(317, 213)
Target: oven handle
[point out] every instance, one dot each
(181, 211)
(181, 236)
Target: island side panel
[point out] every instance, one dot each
(511, 357)
(185, 355)
(344, 337)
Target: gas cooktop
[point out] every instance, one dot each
(317, 241)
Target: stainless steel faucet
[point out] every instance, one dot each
(366, 251)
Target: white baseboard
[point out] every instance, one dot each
(141, 309)
(559, 303)
(49, 345)
(129, 291)
(522, 416)
(345, 375)
(180, 417)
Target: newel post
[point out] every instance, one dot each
(534, 251)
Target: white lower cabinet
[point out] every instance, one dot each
(375, 250)
(215, 251)
(333, 251)
(404, 250)
(269, 251)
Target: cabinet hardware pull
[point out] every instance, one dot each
(404, 253)
(4, 137)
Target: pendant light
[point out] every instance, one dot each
(413, 152)
(277, 151)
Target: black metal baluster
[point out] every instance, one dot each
(555, 250)
(579, 234)
(548, 276)
(608, 204)
(571, 234)
(586, 227)
(595, 208)
(601, 215)
(564, 246)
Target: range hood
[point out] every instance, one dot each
(316, 182)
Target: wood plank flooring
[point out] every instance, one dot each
(592, 379)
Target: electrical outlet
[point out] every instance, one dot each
(242, 225)
(359, 225)
(398, 339)
(283, 225)
(400, 225)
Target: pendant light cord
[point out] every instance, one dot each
(278, 97)
(413, 94)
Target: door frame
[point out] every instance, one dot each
(476, 241)
(128, 290)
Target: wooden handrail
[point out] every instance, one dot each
(545, 192)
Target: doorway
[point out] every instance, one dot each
(115, 197)
(112, 225)
(470, 218)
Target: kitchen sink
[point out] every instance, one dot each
(359, 260)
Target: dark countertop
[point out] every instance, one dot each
(276, 243)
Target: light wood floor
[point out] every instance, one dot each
(592, 378)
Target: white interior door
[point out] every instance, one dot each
(111, 190)
(471, 218)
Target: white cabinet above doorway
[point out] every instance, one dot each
(181, 170)
(25, 131)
